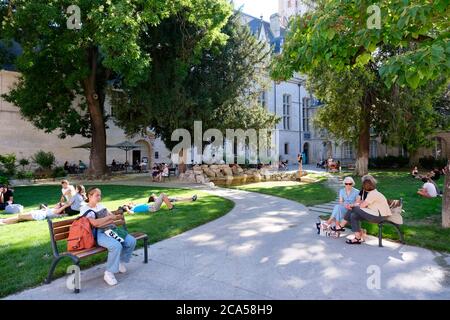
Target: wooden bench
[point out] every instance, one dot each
(59, 231)
(395, 220)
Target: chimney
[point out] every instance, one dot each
(275, 24)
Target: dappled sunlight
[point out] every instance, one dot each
(263, 224)
(248, 233)
(295, 282)
(306, 253)
(406, 257)
(426, 279)
(245, 248)
(206, 239)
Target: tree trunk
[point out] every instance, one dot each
(362, 161)
(97, 160)
(446, 199)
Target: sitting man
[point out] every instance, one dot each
(428, 190)
(41, 214)
(132, 208)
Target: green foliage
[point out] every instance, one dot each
(220, 87)
(431, 163)
(9, 164)
(44, 160)
(389, 162)
(59, 172)
(23, 163)
(4, 180)
(25, 175)
(336, 35)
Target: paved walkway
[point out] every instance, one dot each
(265, 248)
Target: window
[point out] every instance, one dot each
(306, 113)
(286, 112)
(373, 149)
(262, 99)
(286, 148)
(156, 155)
(347, 150)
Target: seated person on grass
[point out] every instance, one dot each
(132, 208)
(428, 190)
(36, 215)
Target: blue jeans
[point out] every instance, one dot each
(117, 252)
(338, 212)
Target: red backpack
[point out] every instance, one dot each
(80, 235)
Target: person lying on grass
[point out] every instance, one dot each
(157, 202)
(35, 215)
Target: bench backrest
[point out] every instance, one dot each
(60, 230)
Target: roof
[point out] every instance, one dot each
(256, 24)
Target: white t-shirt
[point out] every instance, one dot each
(69, 193)
(431, 189)
(91, 215)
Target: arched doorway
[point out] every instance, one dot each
(143, 153)
(306, 153)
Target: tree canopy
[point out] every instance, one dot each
(220, 87)
(65, 72)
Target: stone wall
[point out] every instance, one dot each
(226, 174)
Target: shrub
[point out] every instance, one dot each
(59, 172)
(431, 163)
(9, 164)
(389, 162)
(45, 160)
(24, 175)
(42, 173)
(4, 180)
(23, 163)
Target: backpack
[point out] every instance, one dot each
(80, 235)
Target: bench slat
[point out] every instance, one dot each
(61, 236)
(62, 223)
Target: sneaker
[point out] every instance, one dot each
(122, 268)
(110, 278)
(194, 197)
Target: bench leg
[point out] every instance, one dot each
(145, 250)
(54, 264)
(380, 235)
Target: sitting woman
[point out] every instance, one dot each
(374, 209)
(156, 174)
(77, 201)
(43, 213)
(347, 196)
(102, 219)
(132, 208)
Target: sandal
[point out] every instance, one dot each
(353, 241)
(337, 230)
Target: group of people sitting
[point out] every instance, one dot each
(74, 168)
(160, 171)
(74, 198)
(355, 206)
(7, 200)
(430, 188)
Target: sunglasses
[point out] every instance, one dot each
(349, 184)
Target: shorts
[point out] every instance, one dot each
(70, 212)
(42, 215)
(158, 203)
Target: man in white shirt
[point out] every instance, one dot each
(428, 190)
(68, 192)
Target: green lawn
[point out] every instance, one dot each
(25, 250)
(308, 194)
(422, 217)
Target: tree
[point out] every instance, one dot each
(343, 35)
(219, 87)
(65, 72)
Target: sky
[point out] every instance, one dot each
(258, 7)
